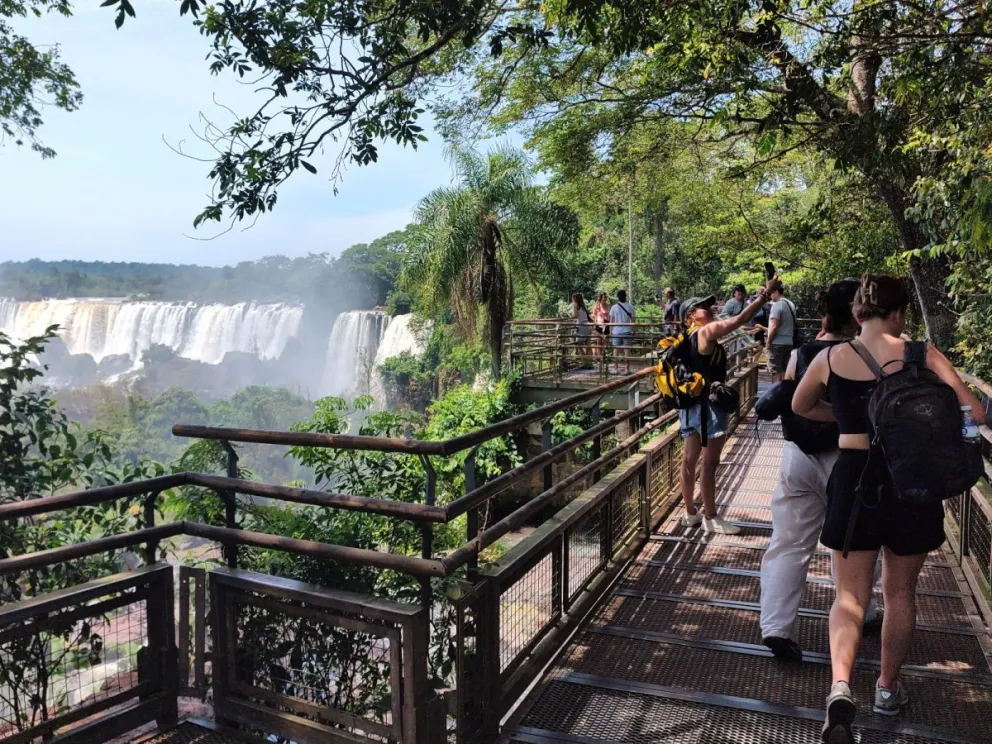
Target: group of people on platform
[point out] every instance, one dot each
(605, 324)
(828, 469)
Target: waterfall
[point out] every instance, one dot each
(398, 338)
(360, 341)
(351, 352)
(101, 327)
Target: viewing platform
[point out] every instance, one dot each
(584, 615)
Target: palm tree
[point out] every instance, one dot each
(473, 240)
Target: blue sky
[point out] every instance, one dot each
(116, 192)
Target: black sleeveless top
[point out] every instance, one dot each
(712, 366)
(849, 399)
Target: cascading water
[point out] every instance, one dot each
(205, 333)
(360, 341)
(399, 338)
(351, 351)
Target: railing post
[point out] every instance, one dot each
(163, 659)
(148, 520)
(597, 441)
(964, 527)
(230, 504)
(644, 484)
(472, 518)
(549, 473)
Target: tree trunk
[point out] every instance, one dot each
(659, 248)
(494, 292)
(929, 275)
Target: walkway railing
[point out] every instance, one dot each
(969, 517)
(558, 350)
(113, 653)
(239, 635)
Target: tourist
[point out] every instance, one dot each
(583, 330)
(621, 316)
(671, 306)
(799, 501)
(601, 319)
(735, 304)
(710, 360)
(781, 332)
(904, 533)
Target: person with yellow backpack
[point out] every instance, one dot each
(691, 375)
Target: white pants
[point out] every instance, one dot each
(799, 504)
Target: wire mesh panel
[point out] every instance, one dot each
(71, 654)
(527, 606)
(295, 660)
(625, 509)
(980, 542)
(586, 553)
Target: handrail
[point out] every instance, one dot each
(406, 446)
(475, 498)
(386, 507)
(33, 507)
(462, 555)
(422, 567)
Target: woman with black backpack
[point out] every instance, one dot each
(869, 509)
(799, 501)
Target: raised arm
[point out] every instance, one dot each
(808, 399)
(940, 366)
(717, 329)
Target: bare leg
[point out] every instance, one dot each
(707, 478)
(690, 456)
(899, 576)
(854, 577)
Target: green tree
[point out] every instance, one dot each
(853, 81)
(31, 77)
(473, 241)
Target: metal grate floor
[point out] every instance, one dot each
(675, 653)
(191, 733)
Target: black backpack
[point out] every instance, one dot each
(916, 425)
(812, 437)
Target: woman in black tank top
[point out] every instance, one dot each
(799, 501)
(903, 533)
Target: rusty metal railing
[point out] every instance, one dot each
(968, 522)
(211, 649)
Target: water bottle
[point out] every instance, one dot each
(970, 432)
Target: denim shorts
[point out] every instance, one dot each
(692, 422)
(623, 339)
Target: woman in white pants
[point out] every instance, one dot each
(799, 501)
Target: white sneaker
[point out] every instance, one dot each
(692, 520)
(719, 526)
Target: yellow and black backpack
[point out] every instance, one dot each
(680, 385)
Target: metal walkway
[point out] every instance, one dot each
(674, 653)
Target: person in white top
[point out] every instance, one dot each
(583, 330)
(621, 314)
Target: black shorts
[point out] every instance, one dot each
(883, 520)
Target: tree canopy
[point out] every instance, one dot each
(473, 241)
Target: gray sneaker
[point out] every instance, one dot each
(841, 712)
(890, 702)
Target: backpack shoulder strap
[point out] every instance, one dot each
(915, 354)
(867, 358)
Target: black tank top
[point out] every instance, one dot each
(849, 399)
(712, 366)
